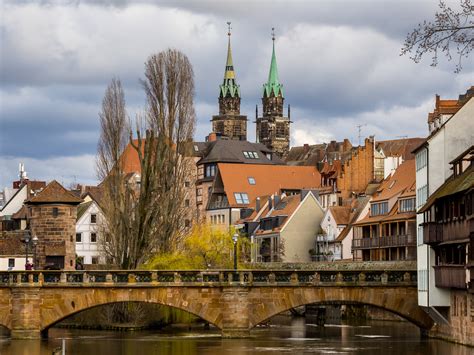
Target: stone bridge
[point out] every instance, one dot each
(233, 301)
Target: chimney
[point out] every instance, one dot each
(306, 148)
(212, 137)
(346, 145)
(270, 204)
(257, 204)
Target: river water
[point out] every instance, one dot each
(283, 336)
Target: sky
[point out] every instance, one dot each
(339, 62)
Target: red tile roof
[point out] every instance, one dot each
(269, 179)
(54, 192)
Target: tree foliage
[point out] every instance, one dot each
(144, 213)
(451, 30)
(204, 247)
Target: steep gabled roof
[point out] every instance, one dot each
(402, 179)
(341, 214)
(400, 147)
(54, 192)
(232, 151)
(82, 208)
(269, 179)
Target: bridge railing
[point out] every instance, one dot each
(154, 278)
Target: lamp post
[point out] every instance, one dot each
(235, 238)
(26, 240)
(35, 244)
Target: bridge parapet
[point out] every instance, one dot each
(208, 278)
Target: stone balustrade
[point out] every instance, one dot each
(209, 278)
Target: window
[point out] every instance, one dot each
(93, 237)
(421, 159)
(407, 205)
(55, 212)
(378, 208)
(241, 198)
(78, 237)
(199, 192)
(93, 218)
(250, 155)
(95, 260)
(187, 184)
(11, 263)
(419, 235)
(187, 223)
(269, 156)
(210, 170)
(251, 180)
(186, 203)
(421, 196)
(80, 260)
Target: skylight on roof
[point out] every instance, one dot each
(251, 180)
(241, 198)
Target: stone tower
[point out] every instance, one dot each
(273, 129)
(230, 123)
(52, 218)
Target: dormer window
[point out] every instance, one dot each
(250, 155)
(407, 205)
(379, 208)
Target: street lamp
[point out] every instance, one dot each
(235, 238)
(35, 244)
(26, 240)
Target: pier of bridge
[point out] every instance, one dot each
(234, 301)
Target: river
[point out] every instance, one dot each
(283, 336)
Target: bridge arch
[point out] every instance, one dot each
(56, 308)
(397, 300)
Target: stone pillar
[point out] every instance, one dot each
(26, 314)
(235, 312)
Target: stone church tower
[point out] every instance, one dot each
(273, 129)
(230, 123)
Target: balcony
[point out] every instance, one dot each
(432, 233)
(384, 242)
(450, 276)
(455, 230)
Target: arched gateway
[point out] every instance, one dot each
(235, 302)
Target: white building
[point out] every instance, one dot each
(88, 243)
(451, 128)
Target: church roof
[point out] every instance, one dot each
(229, 87)
(273, 86)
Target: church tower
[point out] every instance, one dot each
(230, 123)
(273, 129)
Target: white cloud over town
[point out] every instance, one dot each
(339, 63)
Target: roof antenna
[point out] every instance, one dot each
(229, 28)
(359, 128)
(273, 34)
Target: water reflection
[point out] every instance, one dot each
(283, 335)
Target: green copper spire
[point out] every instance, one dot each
(229, 87)
(273, 84)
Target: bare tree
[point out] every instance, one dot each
(169, 88)
(450, 30)
(147, 216)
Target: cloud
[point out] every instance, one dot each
(339, 64)
(66, 170)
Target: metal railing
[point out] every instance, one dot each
(161, 278)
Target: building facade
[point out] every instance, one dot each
(444, 233)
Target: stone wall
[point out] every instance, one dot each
(55, 232)
(461, 320)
